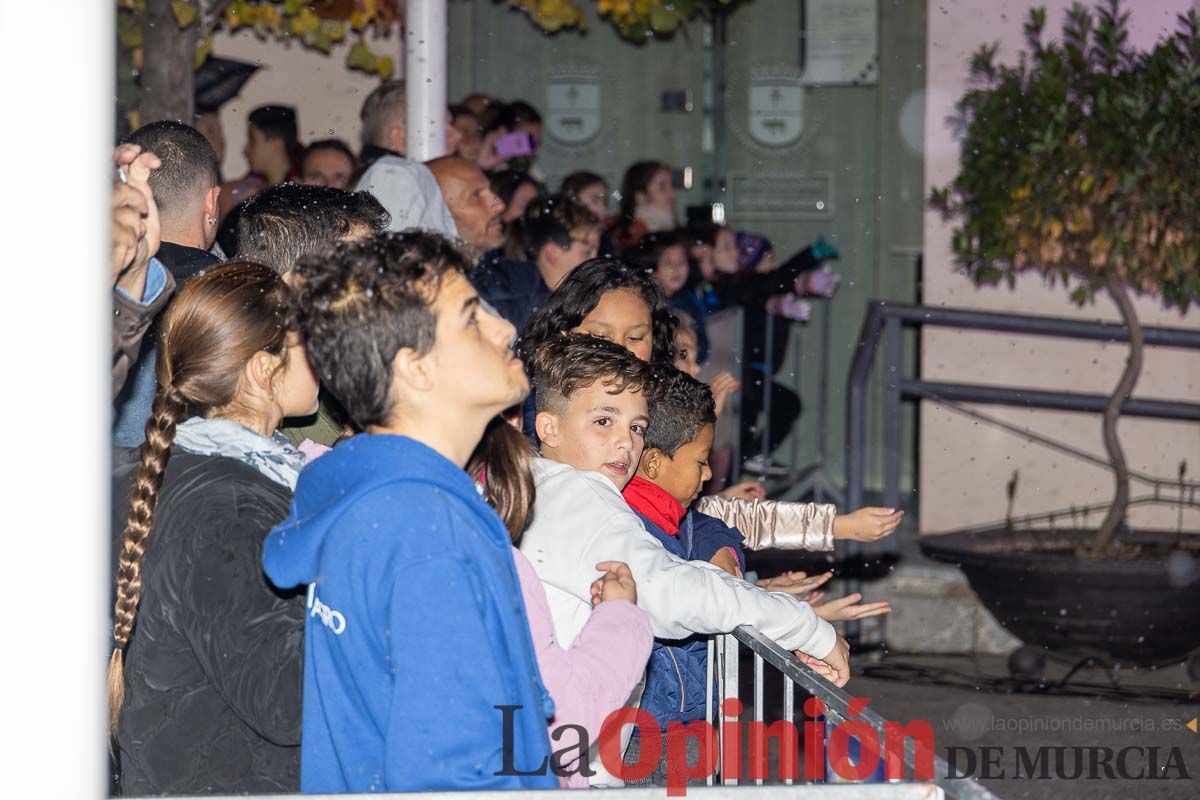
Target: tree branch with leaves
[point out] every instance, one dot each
(151, 70)
(1079, 163)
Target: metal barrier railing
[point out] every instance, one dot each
(885, 321)
(723, 682)
(887, 318)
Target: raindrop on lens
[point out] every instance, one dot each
(1181, 569)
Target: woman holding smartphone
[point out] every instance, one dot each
(512, 134)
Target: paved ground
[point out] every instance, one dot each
(965, 717)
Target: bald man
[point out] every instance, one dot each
(475, 208)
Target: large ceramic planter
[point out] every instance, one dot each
(1142, 610)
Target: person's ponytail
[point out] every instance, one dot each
(209, 332)
(169, 408)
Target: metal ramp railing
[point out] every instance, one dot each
(915, 763)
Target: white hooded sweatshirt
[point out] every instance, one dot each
(580, 519)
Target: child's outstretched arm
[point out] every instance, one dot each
(849, 607)
(867, 524)
(767, 524)
(797, 584)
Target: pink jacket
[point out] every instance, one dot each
(596, 675)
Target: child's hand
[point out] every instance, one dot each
(746, 490)
(850, 607)
(796, 584)
(818, 283)
(616, 583)
(789, 306)
(835, 667)
(726, 560)
(723, 386)
(820, 667)
(866, 524)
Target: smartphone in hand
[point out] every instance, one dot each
(516, 145)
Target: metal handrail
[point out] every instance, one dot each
(888, 318)
(1031, 324)
(724, 652)
(881, 314)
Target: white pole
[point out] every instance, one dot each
(55, 333)
(425, 78)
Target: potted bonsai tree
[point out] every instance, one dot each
(1081, 162)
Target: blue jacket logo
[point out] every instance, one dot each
(330, 618)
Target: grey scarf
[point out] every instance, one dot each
(274, 457)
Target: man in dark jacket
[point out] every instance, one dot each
(185, 187)
(557, 235)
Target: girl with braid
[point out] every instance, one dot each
(205, 677)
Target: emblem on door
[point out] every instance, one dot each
(573, 107)
(776, 109)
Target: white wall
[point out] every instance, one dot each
(57, 352)
(326, 93)
(964, 465)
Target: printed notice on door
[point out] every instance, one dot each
(840, 42)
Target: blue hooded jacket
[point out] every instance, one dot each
(415, 630)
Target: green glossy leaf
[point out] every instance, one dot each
(360, 57)
(184, 11)
(663, 19)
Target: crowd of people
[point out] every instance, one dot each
(412, 478)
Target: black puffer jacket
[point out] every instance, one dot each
(213, 669)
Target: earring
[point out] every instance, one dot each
(211, 220)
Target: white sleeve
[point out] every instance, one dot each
(686, 597)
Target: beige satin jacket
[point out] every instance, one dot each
(772, 523)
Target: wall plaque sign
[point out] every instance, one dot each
(841, 42)
(782, 195)
(573, 105)
(776, 108)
